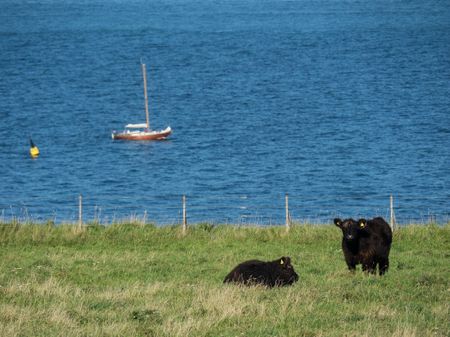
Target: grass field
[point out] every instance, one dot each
(130, 280)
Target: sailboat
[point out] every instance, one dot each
(142, 131)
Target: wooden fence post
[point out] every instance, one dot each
(288, 222)
(80, 211)
(184, 215)
(144, 220)
(391, 207)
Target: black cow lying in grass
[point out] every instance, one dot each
(366, 242)
(274, 273)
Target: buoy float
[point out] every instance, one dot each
(34, 151)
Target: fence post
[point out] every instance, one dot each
(80, 211)
(144, 220)
(391, 207)
(184, 215)
(288, 223)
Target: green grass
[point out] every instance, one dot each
(130, 280)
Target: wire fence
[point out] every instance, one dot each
(237, 209)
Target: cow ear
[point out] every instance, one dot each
(338, 222)
(285, 260)
(362, 223)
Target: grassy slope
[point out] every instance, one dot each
(144, 281)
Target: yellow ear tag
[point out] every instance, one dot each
(281, 262)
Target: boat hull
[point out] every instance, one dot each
(142, 135)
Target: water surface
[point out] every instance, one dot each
(337, 103)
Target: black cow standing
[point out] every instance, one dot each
(274, 273)
(366, 242)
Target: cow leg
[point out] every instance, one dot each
(365, 267)
(351, 266)
(369, 267)
(383, 265)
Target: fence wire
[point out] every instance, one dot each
(236, 209)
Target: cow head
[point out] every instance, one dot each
(351, 229)
(287, 274)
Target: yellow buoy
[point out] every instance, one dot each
(34, 151)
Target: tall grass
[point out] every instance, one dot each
(135, 280)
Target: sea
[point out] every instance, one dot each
(328, 107)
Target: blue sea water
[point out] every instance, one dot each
(338, 104)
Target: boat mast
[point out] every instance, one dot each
(144, 73)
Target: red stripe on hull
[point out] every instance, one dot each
(150, 136)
